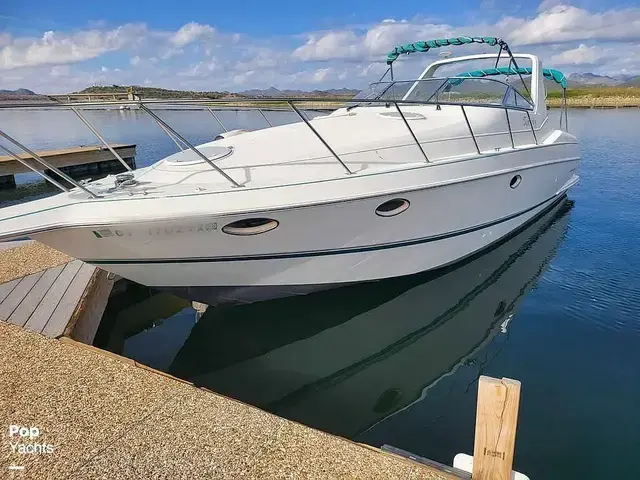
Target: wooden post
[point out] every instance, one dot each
(496, 421)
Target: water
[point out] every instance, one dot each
(556, 306)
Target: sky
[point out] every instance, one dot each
(59, 47)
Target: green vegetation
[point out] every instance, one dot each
(153, 92)
(597, 92)
(597, 97)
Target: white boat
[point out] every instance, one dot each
(410, 176)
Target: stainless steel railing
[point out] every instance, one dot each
(182, 143)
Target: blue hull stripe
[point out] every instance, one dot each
(322, 253)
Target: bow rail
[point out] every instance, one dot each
(436, 98)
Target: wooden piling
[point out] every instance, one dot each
(496, 422)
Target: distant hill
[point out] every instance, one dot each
(587, 79)
(12, 96)
(632, 82)
(274, 92)
(593, 79)
(153, 92)
(20, 91)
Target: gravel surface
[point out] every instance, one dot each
(108, 417)
(27, 259)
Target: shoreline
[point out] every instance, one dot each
(590, 101)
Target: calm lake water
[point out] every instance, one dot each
(556, 306)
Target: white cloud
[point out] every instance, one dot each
(547, 4)
(55, 48)
(374, 43)
(190, 33)
(582, 55)
(564, 23)
(321, 74)
(199, 57)
(328, 46)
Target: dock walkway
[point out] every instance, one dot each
(99, 415)
(106, 416)
(48, 299)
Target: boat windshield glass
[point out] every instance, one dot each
(450, 90)
(454, 84)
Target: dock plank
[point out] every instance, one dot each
(69, 301)
(6, 288)
(16, 296)
(29, 304)
(66, 157)
(38, 320)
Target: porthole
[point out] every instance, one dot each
(250, 226)
(515, 181)
(392, 207)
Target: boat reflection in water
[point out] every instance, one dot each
(341, 360)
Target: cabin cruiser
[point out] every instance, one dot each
(407, 177)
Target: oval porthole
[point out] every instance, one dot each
(515, 181)
(392, 207)
(250, 226)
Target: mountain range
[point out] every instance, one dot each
(576, 80)
(583, 79)
(20, 91)
(274, 92)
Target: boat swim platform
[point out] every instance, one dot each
(76, 162)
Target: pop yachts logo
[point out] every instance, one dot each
(23, 440)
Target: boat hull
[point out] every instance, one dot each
(318, 246)
(426, 257)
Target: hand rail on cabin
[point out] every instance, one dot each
(295, 109)
(47, 165)
(217, 119)
(176, 137)
(101, 138)
(28, 165)
(181, 148)
(533, 130)
(466, 119)
(265, 117)
(186, 142)
(413, 135)
(506, 112)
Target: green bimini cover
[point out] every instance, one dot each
(442, 42)
(548, 73)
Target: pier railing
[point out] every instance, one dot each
(258, 104)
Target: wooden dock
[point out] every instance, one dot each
(66, 299)
(75, 161)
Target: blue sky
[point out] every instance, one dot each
(194, 44)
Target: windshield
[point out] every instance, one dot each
(448, 90)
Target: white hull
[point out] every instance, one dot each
(333, 242)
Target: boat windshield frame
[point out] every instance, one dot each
(377, 91)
